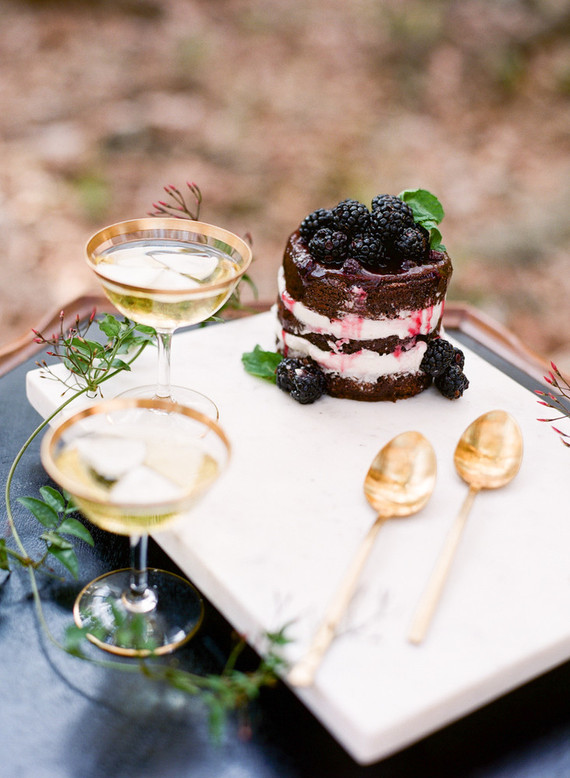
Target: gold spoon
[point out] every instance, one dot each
(488, 456)
(399, 482)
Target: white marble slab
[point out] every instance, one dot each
(270, 543)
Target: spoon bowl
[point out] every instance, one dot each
(402, 475)
(488, 456)
(399, 482)
(489, 453)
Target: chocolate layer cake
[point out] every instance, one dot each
(364, 316)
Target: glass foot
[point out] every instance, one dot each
(165, 618)
(180, 394)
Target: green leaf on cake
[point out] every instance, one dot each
(424, 204)
(435, 239)
(261, 363)
(428, 212)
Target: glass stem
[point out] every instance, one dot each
(139, 598)
(164, 342)
(139, 578)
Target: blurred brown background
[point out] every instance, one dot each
(277, 107)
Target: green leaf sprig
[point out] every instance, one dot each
(229, 691)
(91, 364)
(89, 367)
(53, 512)
(428, 212)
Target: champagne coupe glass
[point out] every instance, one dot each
(168, 273)
(134, 466)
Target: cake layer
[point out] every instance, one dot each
(365, 374)
(398, 387)
(303, 320)
(352, 289)
(362, 365)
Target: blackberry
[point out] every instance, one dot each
(329, 246)
(458, 358)
(369, 250)
(351, 266)
(351, 216)
(390, 202)
(412, 244)
(322, 217)
(284, 372)
(390, 216)
(452, 382)
(302, 378)
(438, 356)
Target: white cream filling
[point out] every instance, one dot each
(364, 365)
(407, 324)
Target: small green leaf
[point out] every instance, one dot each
(435, 240)
(53, 498)
(245, 684)
(4, 564)
(74, 527)
(424, 204)
(261, 363)
(136, 341)
(75, 639)
(43, 512)
(279, 638)
(86, 348)
(67, 558)
(145, 329)
(131, 631)
(109, 326)
(118, 364)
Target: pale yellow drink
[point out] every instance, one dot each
(163, 482)
(166, 284)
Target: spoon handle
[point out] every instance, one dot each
(430, 598)
(303, 672)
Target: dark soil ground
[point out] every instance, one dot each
(277, 108)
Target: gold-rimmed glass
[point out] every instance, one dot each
(135, 466)
(168, 273)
